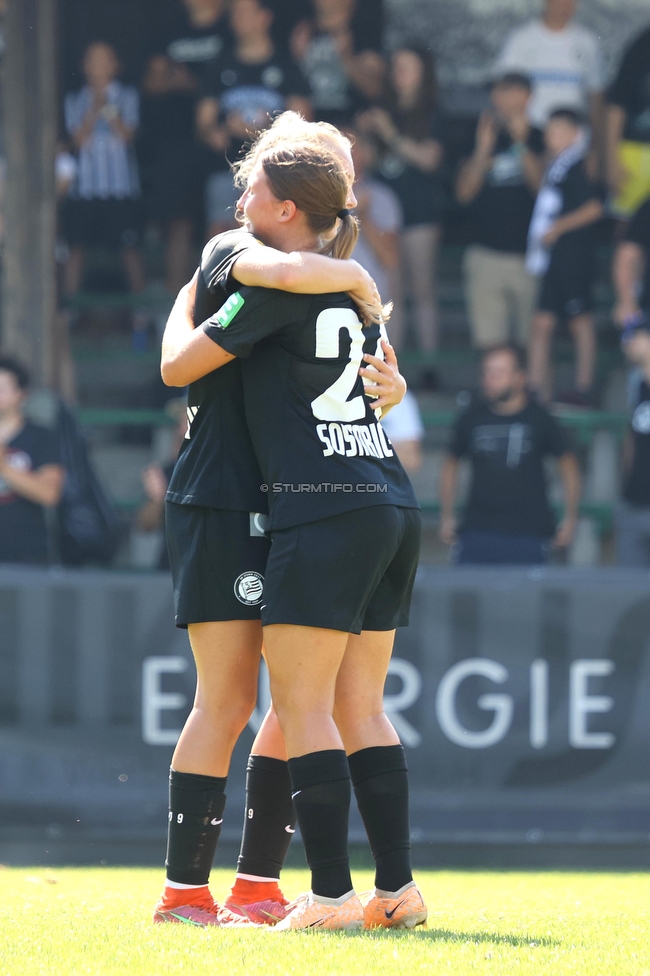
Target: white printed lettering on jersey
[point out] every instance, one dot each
(641, 418)
(354, 440)
(333, 404)
(191, 414)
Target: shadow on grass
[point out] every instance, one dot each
(446, 935)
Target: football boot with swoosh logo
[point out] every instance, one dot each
(310, 912)
(403, 909)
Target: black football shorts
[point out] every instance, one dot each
(349, 572)
(218, 562)
(567, 289)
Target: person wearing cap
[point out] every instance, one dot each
(499, 182)
(633, 510)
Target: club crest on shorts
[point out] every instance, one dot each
(249, 588)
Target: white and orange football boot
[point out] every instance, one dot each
(316, 912)
(403, 909)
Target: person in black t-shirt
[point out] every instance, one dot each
(628, 129)
(631, 269)
(499, 182)
(408, 127)
(243, 91)
(31, 477)
(633, 510)
(339, 50)
(344, 525)
(196, 34)
(561, 251)
(169, 161)
(508, 518)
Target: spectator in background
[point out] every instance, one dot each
(633, 510)
(340, 55)
(561, 250)
(500, 180)
(408, 129)
(631, 270)
(243, 91)
(380, 223)
(506, 437)
(103, 209)
(628, 129)
(168, 156)
(564, 62)
(197, 36)
(404, 426)
(31, 477)
(156, 478)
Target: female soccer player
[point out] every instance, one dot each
(345, 537)
(218, 555)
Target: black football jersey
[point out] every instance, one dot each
(216, 465)
(320, 445)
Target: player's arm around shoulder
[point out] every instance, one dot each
(304, 273)
(188, 353)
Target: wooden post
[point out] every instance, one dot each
(30, 131)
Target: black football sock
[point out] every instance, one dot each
(380, 779)
(196, 805)
(321, 796)
(269, 820)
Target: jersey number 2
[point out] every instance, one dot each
(333, 404)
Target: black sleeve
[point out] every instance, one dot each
(45, 448)
(578, 189)
(215, 279)
(211, 86)
(638, 229)
(622, 90)
(555, 438)
(219, 257)
(368, 26)
(252, 314)
(535, 142)
(459, 442)
(294, 82)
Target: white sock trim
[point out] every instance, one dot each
(256, 877)
(395, 894)
(177, 884)
(334, 902)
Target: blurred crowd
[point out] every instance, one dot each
(557, 164)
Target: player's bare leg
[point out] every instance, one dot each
(539, 354)
(303, 665)
(227, 656)
(380, 778)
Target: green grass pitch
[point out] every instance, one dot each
(77, 921)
